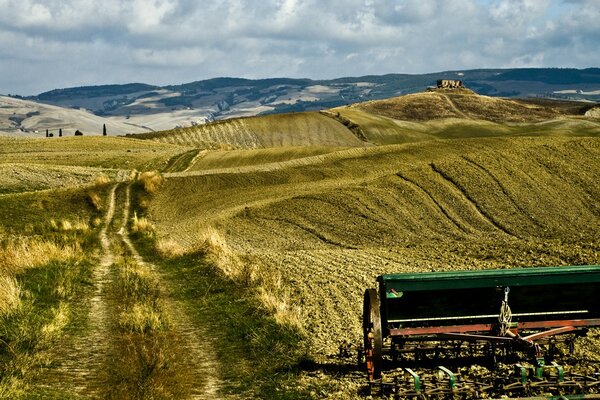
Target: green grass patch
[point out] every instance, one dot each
(258, 357)
(181, 162)
(45, 312)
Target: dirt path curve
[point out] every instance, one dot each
(454, 108)
(81, 357)
(201, 363)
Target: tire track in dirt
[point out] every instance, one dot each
(201, 363)
(81, 359)
(505, 192)
(484, 214)
(454, 107)
(435, 202)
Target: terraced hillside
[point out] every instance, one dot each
(302, 129)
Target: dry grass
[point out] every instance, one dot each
(10, 293)
(95, 200)
(141, 225)
(101, 152)
(435, 105)
(142, 311)
(20, 253)
(28, 175)
(169, 248)
(143, 318)
(151, 181)
(284, 130)
(65, 225)
(101, 179)
(270, 287)
(210, 160)
(58, 322)
(314, 236)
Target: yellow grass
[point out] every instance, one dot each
(59, 321)
(151, 180)
(141, 225)
(301, 129)
(10, 293)
(169, 248)
(20, 253)
(143, 318)
(210, 160)
(102, 152)
(101, 179)
(65, 225)
(269, 284)
(95, 200)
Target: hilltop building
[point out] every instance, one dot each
(449, 84)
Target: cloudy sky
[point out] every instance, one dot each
(47, 44)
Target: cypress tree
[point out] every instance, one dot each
(60, 132)
(103, 129)
(46, 132)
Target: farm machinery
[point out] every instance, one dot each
(483, 334)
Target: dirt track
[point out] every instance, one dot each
(82, 364)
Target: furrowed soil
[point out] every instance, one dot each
(302, 129)
(329, 226)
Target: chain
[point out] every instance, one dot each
(505, 317)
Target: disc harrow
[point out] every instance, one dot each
(481, 334)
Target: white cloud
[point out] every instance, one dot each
(170, 41)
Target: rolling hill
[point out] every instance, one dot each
(298, 213)
(162, 108)
(28, 118)
(411, 118)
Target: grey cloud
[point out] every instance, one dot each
(56, 43)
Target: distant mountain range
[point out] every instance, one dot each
(150, 107)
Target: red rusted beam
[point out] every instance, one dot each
(558, 323)
(482, 328)
(430, 330)
(551, 332)
(474, 338)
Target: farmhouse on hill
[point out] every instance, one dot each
(449, 84)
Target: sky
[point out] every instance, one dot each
(48, 44)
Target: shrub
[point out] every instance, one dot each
(151, 181)
(141, 225)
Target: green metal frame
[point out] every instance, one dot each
(488, 278)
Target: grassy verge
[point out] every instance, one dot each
(45, 308)
(140, 364)
(259, 357)
(47, 241)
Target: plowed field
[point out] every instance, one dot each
(302, 129)
(331, 226)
